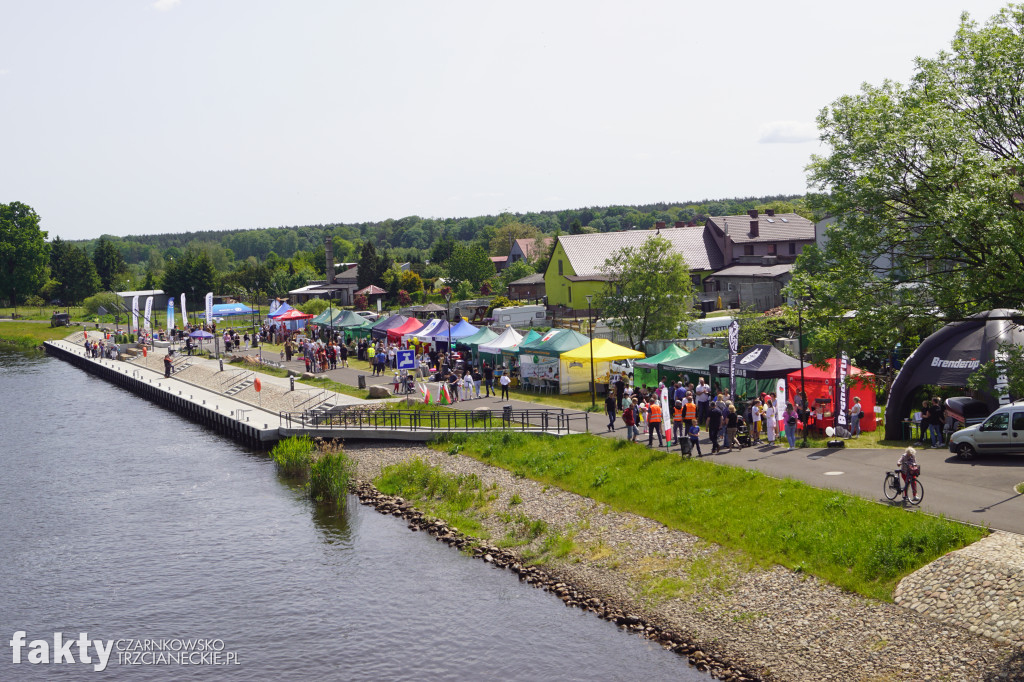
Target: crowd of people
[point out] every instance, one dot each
(691, 407)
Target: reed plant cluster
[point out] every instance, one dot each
(324, 467)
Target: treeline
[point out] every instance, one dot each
(412, 238)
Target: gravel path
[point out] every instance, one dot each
(777, 623)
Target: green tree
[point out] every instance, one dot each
(650, 293)
(506, 234)
(369, 263)
(469, 264)
(925, 183)
(73, 271)
(24, 253)
(410, 281)
(193, 269)
(108, 261)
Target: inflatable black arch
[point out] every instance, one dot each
(948, 357)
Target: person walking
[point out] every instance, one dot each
(789, 420)
(504, 381)
(477, 378)
(714, 419)
(731, 425)
(488, 379)
(654, 423)
(629, 419)
(610, 405)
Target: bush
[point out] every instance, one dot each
(500, 302)
(106, 299)
(314, 306)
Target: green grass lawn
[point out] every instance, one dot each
(848, 541)
(31, 334)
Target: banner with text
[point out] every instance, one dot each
(135, 313)
(148, 314)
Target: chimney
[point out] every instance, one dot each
(770, 212)
(752, 213)
(753, 228)
(660, 225)
(329, 248)
(680, 223)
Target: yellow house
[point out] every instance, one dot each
(575, 268)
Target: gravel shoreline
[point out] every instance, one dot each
(776, 624)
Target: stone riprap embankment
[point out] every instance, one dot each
(980, 587)
(771, 624)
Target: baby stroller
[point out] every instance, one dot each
(743, 434)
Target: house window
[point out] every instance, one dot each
(748, 249)
(730, 286)
(771, 250)
(792, 248)
(559, 266)
(695, 279)
(570, 288)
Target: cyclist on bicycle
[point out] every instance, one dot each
(908, 469)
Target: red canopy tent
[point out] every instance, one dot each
(411, 326)
(292, 318)
(821, 384)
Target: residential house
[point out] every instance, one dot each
(575, 269)
(528, 249)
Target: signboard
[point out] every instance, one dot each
(406, 359)
(734, 346)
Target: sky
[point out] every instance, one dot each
(148, 116)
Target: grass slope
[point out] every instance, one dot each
(848, 541)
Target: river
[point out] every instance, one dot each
(127, 522)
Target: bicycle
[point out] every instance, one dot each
(892, 487)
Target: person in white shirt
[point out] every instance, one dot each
(504, 381)
(856, 414)
(769, 415)
(703, 392)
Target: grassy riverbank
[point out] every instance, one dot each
(31, 334)
(856, 544)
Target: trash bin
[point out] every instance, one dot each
(506, 413)
(362, 381)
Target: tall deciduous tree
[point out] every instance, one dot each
(108, 261)
(926, 181)
(650, 293)
(193, 269)
(506, 234)
(73, 271)
(24, 253)
(469, 264)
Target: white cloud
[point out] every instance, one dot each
(4, 72)
(164, 5)
(787, 132)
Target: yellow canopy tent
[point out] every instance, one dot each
(575, 361)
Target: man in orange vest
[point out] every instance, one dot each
(689, 412)
(677, 422)
(654, 421)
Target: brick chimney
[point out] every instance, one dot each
(770, 212)
(754, 228)
(752, 213)
(660, 225)
(329, 248)
(680, 223)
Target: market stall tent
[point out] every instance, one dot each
(473, 342)
(396, 334)
(692, 366)
(358, 331)
(577, 361)
(645, 372)
(423, 336)
(821, 383)
(541, 359)
(757, 370)
(456, 332)
(380, 329)
(510, 354)
(492, 350)
(347, 318)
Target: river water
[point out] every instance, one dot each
(127, 522)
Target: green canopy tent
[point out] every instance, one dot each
(510, 354)
(361, 331)
(347, 318)
(692, 366)
(645, 372)
(541, 359)
(473, 343)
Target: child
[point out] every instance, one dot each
(695, 439)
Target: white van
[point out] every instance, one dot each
(521, 316)
(708, 326)
(1002, 432)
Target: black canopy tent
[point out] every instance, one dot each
(948, 357)
(757, 370)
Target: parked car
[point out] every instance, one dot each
(372, 317)
(1002, 432)
(60, 320)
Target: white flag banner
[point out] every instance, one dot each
(184, 315)
(148, 314)
(170, 315)
(209, 308)
(135, 312)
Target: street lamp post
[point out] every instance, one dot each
(593, 380)
(448, 302)
(803, 384)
